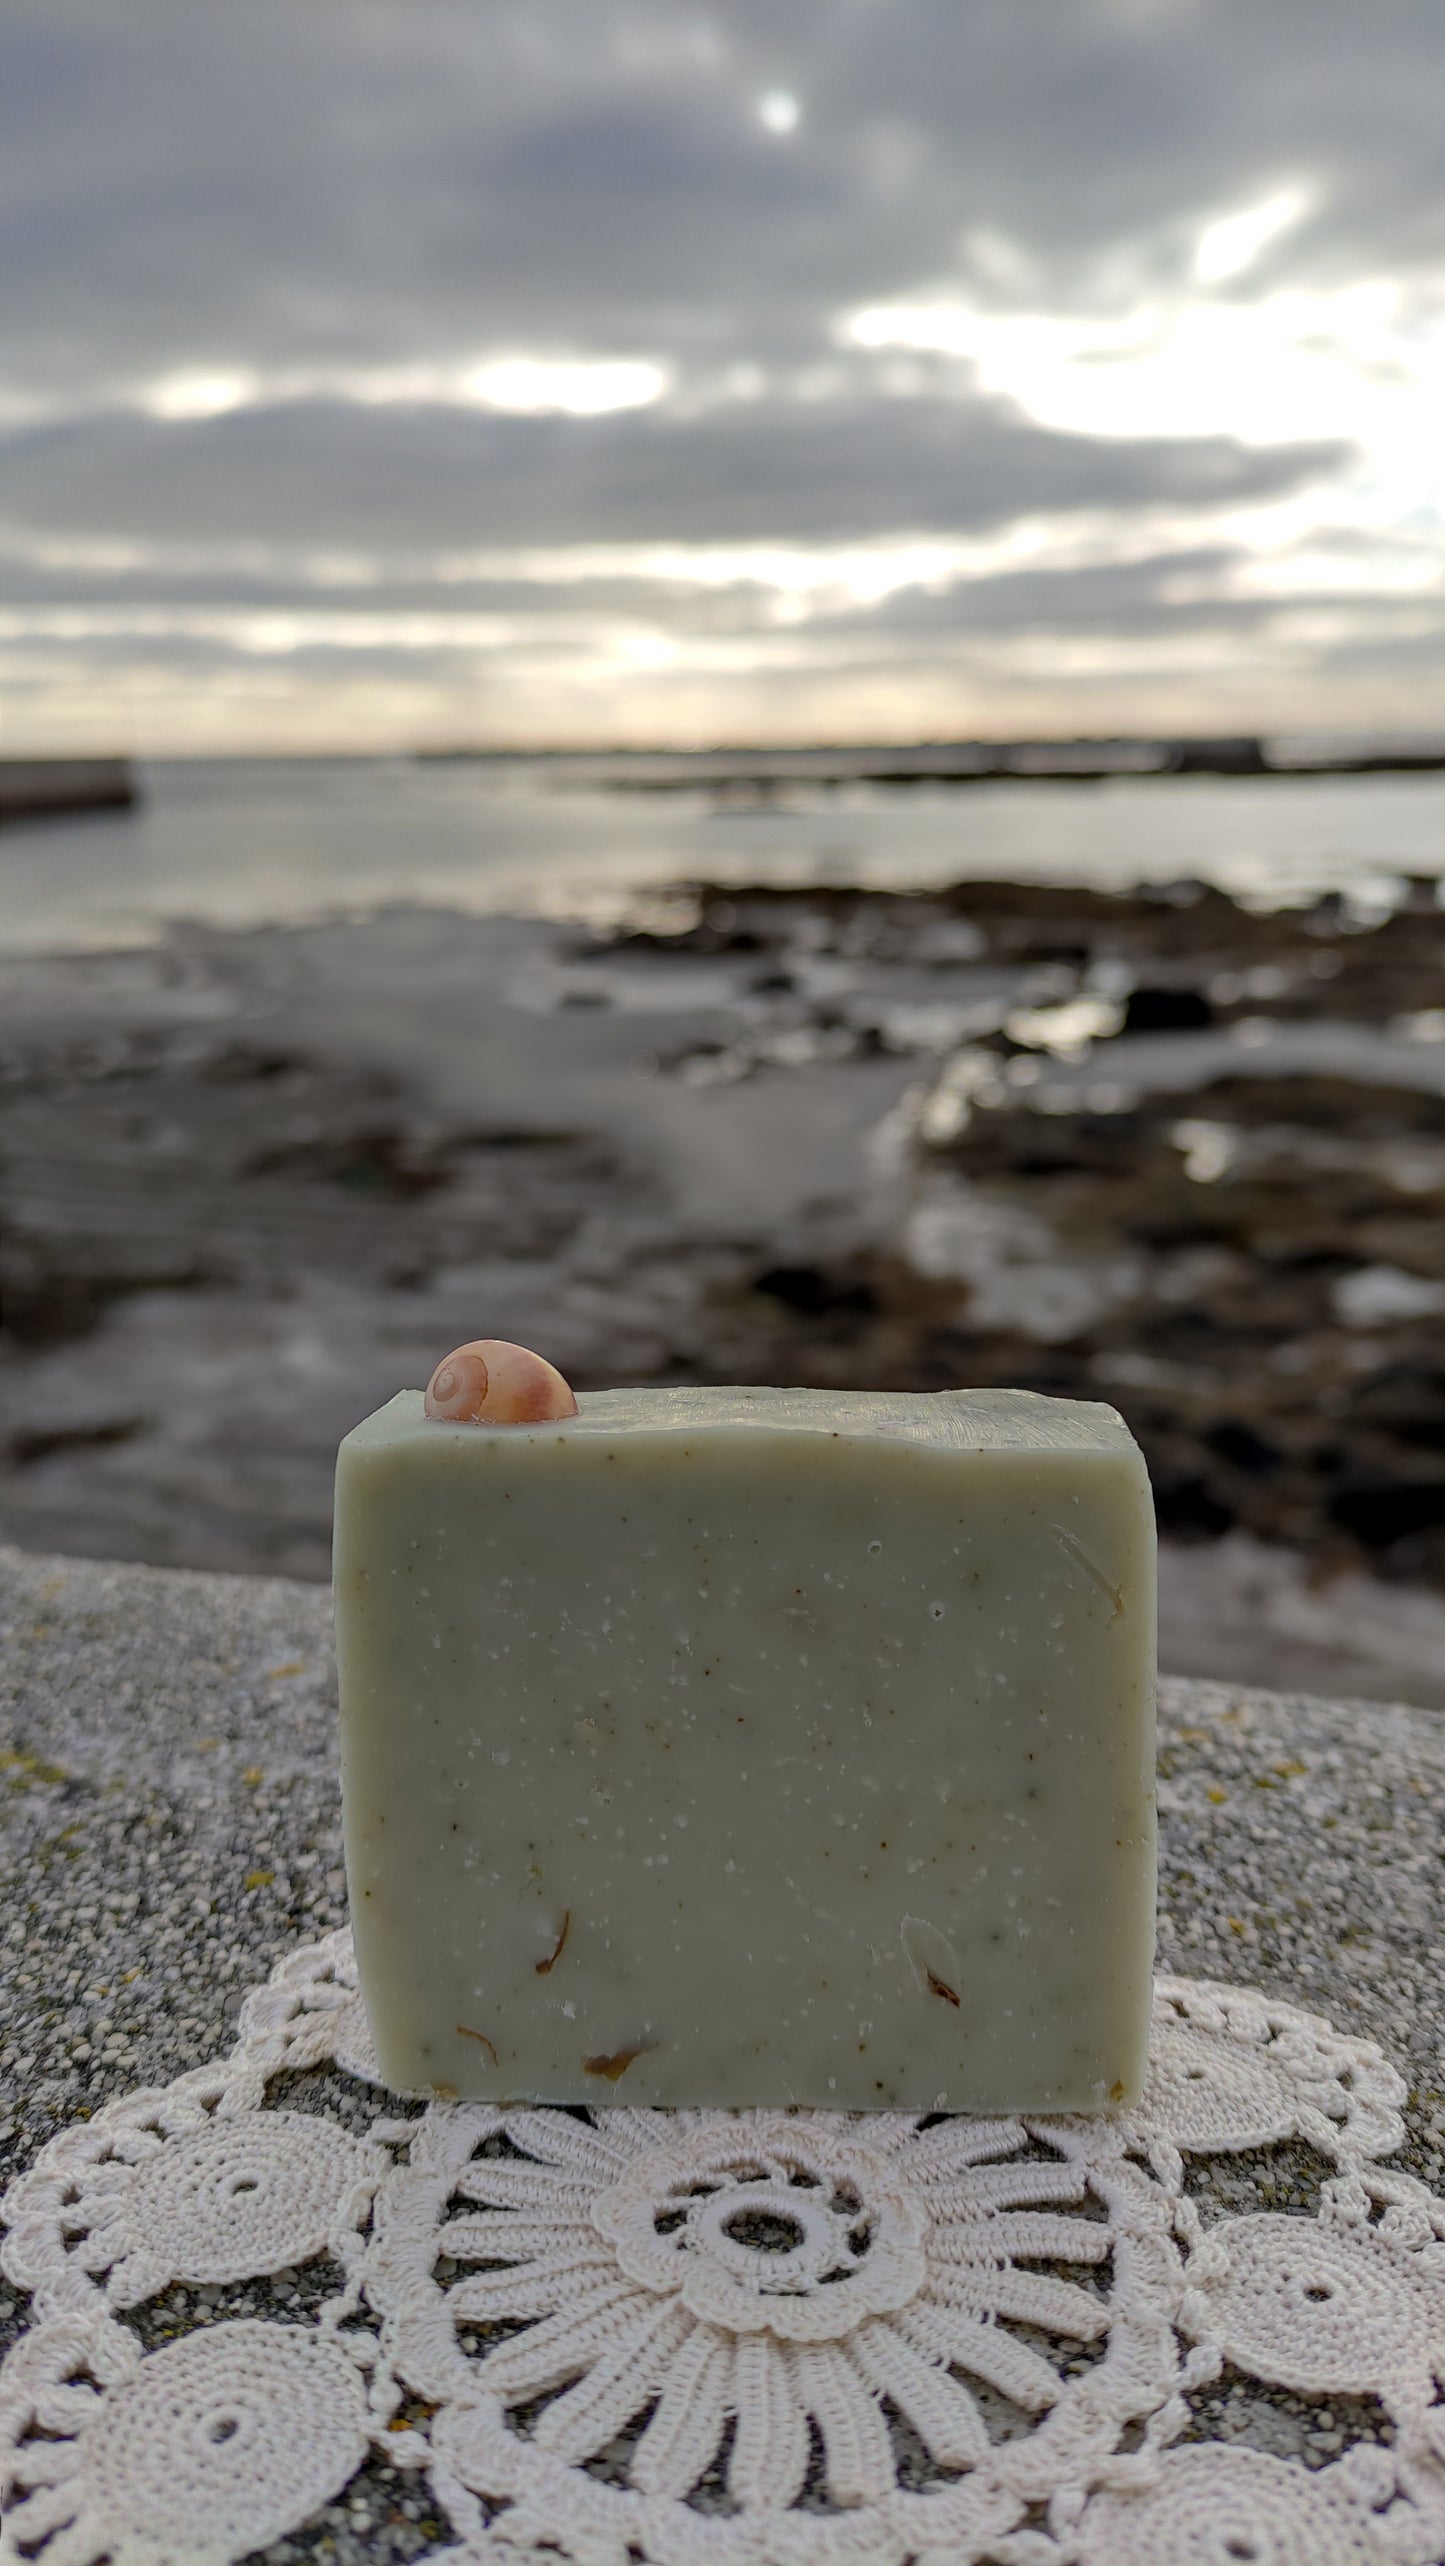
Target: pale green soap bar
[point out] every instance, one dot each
(753, 1747)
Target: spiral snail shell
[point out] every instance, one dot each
(491, 1383)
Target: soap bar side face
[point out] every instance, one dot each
(826, 1759)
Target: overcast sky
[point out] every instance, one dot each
(392, 372)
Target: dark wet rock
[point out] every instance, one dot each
(1375, 962)
(1244, 1449)
(1386, 1513)
(814, 1294)
(1187, 1506)
(41, 1442)
(1162, 1011)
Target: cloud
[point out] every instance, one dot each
(277, 182)
(390, 286)
(826, 470)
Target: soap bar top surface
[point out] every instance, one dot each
(950, 1420)
(747, 1746)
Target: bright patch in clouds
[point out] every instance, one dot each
(199, 395)
(581, 387)
(1232, 243)
(584, 387)
(779, 111)
(1364, 362)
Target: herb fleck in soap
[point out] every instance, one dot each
(751, 1747)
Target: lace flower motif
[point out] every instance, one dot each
(210, 2447)
(1229, 2069)
(180, 2185)
(1324, 2306)
(746, 2296)
(1221, 2504)
(309, 2014)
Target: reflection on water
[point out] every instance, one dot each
(246, 843)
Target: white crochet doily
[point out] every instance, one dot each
(733, 2339)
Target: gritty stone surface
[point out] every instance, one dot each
(171, 1825)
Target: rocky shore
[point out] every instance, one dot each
(1158, 1149)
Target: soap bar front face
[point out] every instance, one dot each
(752, 1747)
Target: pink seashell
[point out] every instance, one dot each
(491, 1383)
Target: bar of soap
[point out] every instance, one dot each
(728, 1747)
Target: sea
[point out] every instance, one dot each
(243, 843)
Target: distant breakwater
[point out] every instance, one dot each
(44, 788)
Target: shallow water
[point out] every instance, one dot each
(258, 842)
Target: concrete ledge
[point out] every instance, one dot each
(169, 1824)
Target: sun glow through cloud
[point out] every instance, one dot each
(1361, 363)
